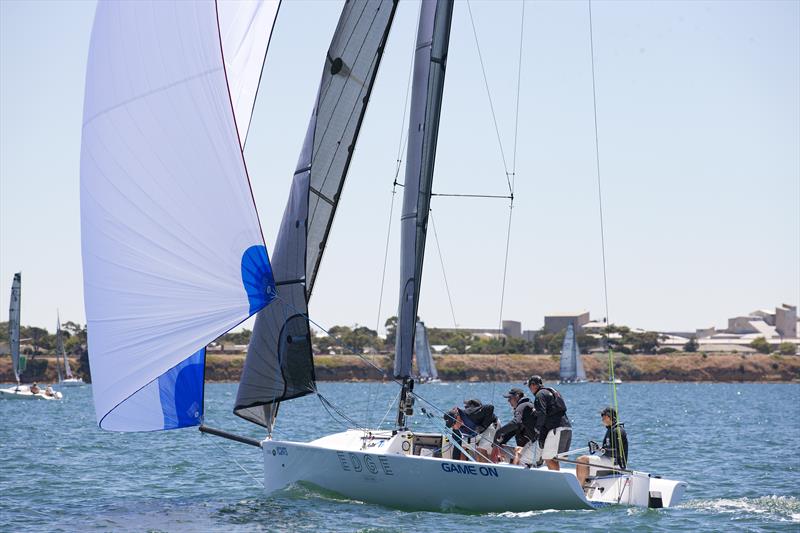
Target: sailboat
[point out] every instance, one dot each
(571, 368)
(426, 367)
(61, 357)
(18, 359)
(162, 141)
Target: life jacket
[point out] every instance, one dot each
(558, 406)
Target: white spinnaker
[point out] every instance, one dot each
(167, 215)
(245, 27)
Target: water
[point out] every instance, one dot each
(735, 444)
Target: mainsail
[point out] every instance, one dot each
(18, 360)
(425, 365)
(571, 363)
(173, 254)
(433, 36)
(279, 364)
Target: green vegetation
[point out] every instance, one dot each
(760, 345)
(691, 346)
(787, 348)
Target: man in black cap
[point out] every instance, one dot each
(477, 424)
(552, 425)
(614, 451)
(522, 427)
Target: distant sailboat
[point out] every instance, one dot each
(18, 359)
(422, 347)
(61, 356)
(571, 370)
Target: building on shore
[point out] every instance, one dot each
(559, 322)
(780, 325)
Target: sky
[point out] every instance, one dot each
(698, 128)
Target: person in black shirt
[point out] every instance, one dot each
(614, 451)
(552, 424)
(476, 424)
(522, 427)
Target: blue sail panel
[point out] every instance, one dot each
(181, 392)
(173, 400)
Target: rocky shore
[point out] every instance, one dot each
(513, 367)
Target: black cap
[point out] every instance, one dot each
(514, 392)
(472, 403)
(535, 380)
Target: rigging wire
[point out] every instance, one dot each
(612, 378)
(328, 405)
(226, 453)
(489, 96)
(513, 182)
(444, 272)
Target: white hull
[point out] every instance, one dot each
(381, 472)
(23, 392)
(72, 382)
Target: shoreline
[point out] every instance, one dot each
(503, 368)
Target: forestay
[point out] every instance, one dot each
(279, 363)
(173, 254)
(430, 59)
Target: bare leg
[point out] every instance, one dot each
(581, 471)
(517, 455)
(482, 455)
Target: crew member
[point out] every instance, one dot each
(614, 451)
(482, 425)
(552, 425)
(522, 427)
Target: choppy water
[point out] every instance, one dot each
(735, 444)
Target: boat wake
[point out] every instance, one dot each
(779, 508)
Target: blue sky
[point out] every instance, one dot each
(699, 134)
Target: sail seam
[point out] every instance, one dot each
(150, 93)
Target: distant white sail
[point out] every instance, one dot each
(571, 368)
(61, 352)
(18, 360)
(173, 254)
(425, 363)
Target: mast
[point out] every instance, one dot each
(430, 59)
(18, 360)
(279, 364)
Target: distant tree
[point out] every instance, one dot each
(3, 331)
(362, 337)
(787, 348)
(38, 337)
(391, 331)
(760, 345)
(239, 337)
(691, 346)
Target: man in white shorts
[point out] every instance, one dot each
(552, 425)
